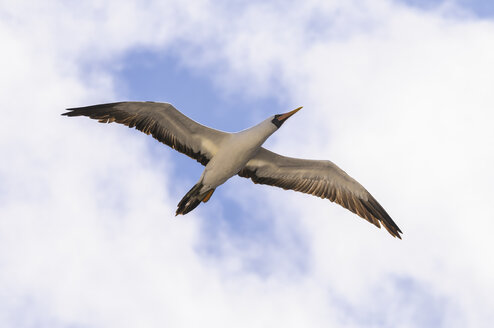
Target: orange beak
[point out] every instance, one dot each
(287, 115)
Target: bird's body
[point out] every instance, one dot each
(234, 152)
(227, 154)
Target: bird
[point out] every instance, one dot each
(225, 155)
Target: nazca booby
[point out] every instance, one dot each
(227, 154)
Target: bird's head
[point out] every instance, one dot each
(279, 119)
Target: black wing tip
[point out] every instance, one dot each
(94, 109)
(378, 215)
(392, 227)
(385, 219)
(72, 112)
(395, 233)
(78, 111)
(393, 230)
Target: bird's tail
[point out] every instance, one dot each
(193, 198)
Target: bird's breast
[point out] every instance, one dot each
(230, 158)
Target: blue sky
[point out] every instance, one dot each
(398, 97)
(480, 8)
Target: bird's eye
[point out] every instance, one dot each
(276, 121)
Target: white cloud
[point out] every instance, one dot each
(399, 98)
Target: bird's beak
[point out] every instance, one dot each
(283, 117)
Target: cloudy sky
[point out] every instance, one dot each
(397, 93)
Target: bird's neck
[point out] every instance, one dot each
(258, 133)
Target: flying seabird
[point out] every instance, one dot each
(226, 154)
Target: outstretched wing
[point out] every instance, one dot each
(320, 178)
(163, 121)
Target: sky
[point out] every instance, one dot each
(397, 93)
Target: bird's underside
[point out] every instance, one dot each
(320, 178)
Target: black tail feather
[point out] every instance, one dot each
(192, 199)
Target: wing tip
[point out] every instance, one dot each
(92, 111)
(393, 232)
(377, 213)
(70, 112)
(393, 229)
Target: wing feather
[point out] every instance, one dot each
(163, 121)
(319, 178)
